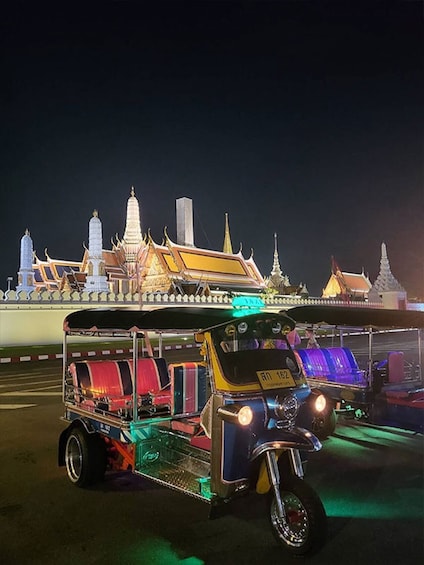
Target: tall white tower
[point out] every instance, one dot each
(185, 230)
(96, 278)
(26, 274)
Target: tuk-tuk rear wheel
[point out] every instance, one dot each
(305, 528)
(85, 458)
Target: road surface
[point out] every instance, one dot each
(370, 480)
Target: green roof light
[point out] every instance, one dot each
(247, 303)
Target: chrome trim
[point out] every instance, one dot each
(296, 463)
(274, 477)
(296, 438)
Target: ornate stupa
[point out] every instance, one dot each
(96, 277)
(132, 235)
(277, 281)
(128, 248)
(386, 287)
(26, 273)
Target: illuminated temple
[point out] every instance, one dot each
(345, 285)
(136, 263)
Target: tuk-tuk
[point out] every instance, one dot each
(234, 421)
(386, 391)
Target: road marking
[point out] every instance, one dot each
(30, 393)
(15, 406)
(59, 383)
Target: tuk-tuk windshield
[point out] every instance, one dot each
(252, 357)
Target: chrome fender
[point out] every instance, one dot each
(278, 439)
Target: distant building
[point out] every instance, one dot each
(346, 286)
(136, 263)
(50, 274)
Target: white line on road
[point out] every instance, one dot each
(15, 406)
(30, 393)
(59, 381)
(22, 376)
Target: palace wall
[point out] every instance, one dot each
(36, 318)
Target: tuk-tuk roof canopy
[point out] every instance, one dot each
(356, 317)
(162, 319)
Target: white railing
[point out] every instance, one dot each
(12, 299)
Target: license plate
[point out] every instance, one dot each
(276, 378)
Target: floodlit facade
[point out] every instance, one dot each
(137, 263)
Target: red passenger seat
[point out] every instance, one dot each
(110, 383)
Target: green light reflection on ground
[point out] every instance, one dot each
(367, 449)
(410, 509)
(157, 552)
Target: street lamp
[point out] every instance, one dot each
(9, 280)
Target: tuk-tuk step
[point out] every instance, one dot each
(178, 477)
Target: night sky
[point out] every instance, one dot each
(300, 118)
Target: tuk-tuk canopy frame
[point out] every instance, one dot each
(126, 321)
(355, 317)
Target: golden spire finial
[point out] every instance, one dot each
(227, 247)
(132, 191)
(95, 213)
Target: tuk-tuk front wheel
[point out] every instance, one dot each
(304, 529)
(85, 458)
(324, 425)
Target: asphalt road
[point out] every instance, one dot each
(370, 480)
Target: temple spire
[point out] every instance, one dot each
(277, 280)
(132, 234)
(227, 247)
(26, 274)
(96, 280)
(385, 280)
(276, 269)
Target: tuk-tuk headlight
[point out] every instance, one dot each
(286, 407)
(245, 416)
(236, 414)
(320, 403)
